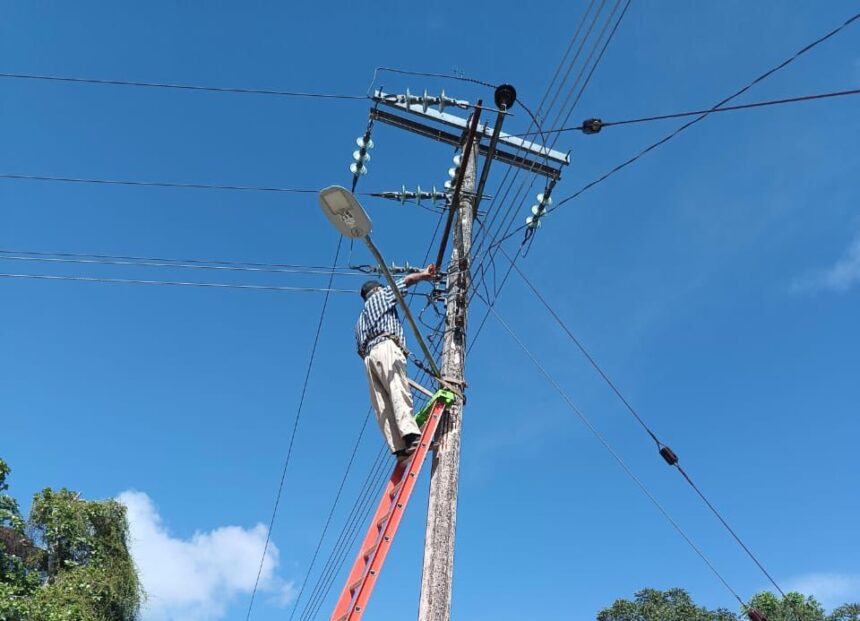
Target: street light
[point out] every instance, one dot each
(346, 215)
(342, 209)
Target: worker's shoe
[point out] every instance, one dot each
(412, 441)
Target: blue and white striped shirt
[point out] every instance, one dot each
(379, 320)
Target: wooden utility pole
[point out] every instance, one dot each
(436, 581)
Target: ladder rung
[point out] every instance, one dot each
(366, 554)
(354, 586)
(395, 490)
(380, 524)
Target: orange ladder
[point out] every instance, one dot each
(365, 570)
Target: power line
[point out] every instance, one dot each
(295, 429)
(330, 514)
(551, 380)
(677, 115)
(668, 455)
(186, 87)
(174, 283)
(704, 115)
(158, 184)
(85, 259)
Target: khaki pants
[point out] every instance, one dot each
(389, 393)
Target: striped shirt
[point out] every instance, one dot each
(379, 320)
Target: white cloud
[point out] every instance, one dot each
(843, 275)
(196, 579)
(832, 590)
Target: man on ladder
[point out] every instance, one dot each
(381, 344)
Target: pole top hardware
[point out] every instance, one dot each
(505, 96)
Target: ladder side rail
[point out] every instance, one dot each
(387, 536)
(373, 532)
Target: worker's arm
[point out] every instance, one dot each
(428, 273)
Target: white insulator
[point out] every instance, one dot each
(358, 156)
(360, 142)
(458, 159)
(355, 170)
(452, 172)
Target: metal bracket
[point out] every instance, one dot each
(507, 157)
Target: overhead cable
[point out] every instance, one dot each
(295, 429)
(704, 115)
(677, 115)
(186, 87)
(214, 285)
(590, 426)
(665, 452)
(84, 259)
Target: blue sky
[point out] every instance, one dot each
(716, 280)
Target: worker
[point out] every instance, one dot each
(381, 344)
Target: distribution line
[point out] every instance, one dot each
(330, 514)
(689, 124)
(171, 184)
(660, 445)
(157, 184)
(551, 380)
(678, 115)
(704, 115)
(7, 255)
(294, 430)
(186, 87)
(490, 252)
(175, 283)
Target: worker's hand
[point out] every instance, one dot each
(430, 270)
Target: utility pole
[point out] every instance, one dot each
(436, 582)
(425, 115)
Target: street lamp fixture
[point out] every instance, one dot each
(346, 215)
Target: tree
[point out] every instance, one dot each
(847, 612)
(792, 607)
(69, 561)
(656, 605)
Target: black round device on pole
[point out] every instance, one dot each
(505, 96)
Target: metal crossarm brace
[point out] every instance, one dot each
(507, 157)
(371, 555)
(451, 120)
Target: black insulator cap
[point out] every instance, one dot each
(505, 96)
(669, 455)
(755, 615)
(592, 126)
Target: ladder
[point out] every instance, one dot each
(365, 570)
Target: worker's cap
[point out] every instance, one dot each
(369, 286)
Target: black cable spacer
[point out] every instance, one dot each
(669, 455)
(592, 126)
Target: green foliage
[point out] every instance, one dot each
(848, 612)
(81, 569)
(793, 607)
(655, 605)
(676, 605)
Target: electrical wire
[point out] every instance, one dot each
(294, 430)
(587, 422)
(704, 115)
(660, 444)
(186, 87)
(157, 184)
(83, 259)
(330, 514)
(175, 185)
(174, 283)
(678, 115)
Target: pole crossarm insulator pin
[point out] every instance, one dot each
(592, 126)
(668, 455)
